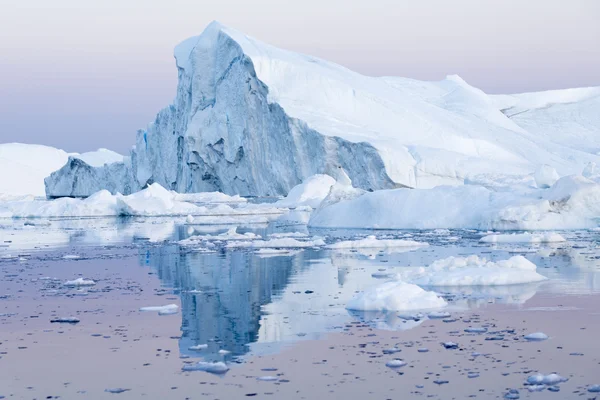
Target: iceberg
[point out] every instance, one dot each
(573, 202)
(255, 120)
(395, 296)
(29, 164)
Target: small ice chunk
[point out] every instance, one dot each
(594, 389)
(224, 352)
(476, 330)
(512, 394)
(116, 390)
(395, 363)
(450, 345)
(79, 282)
(71, 257)
(162, 310)
(213, 368)
(267, 378)
(198, 347)
(537, 336)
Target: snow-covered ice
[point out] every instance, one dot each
(573, 202)
(162, 310)
(536, 336)
(395, 296)
(473, 271)
(524, 238)
(545, 176)
(152, 201)
(213, 368)
(79, 282)
(231, 234)
(371, 242)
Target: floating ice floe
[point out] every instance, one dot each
(71, 257)
(278, 235)
(79, 282)
(473, 271)
(371, 242)
(524, 238)
(198, 347)
(231, 234)
(278, 243)
(267, 253)
(541, 379)
(162, 310)
(395, 363)
(395, 296)
(213, 368)
(536, 337)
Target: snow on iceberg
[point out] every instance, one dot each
(473, 271)
(524, 238)
(310, 193)
(252, 119)
(395, 296)
(545, 176)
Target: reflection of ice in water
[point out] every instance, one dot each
(238, 301)
(29, 234)
(389, 321)
(467, 297)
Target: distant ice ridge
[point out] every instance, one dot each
(29, 164)
(152, 201)
(572, 202)
(251, 119)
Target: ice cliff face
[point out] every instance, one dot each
(222, 134)
(252, 119)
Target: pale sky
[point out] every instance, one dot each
(83, 74)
